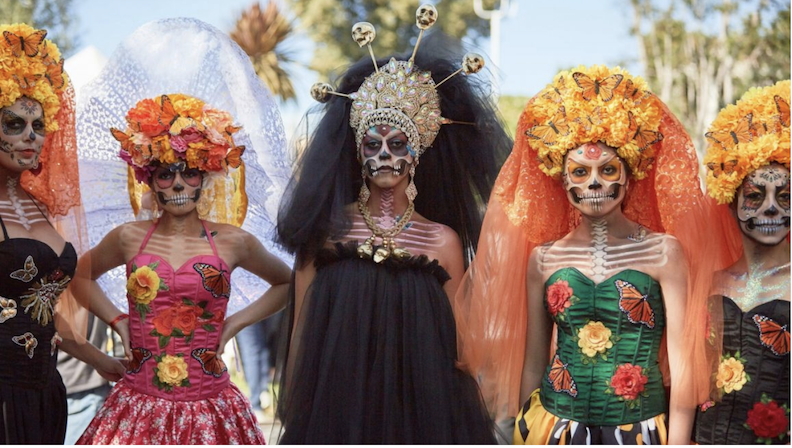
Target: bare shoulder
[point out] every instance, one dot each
(228, 234)
(672, 246)
(132, 230)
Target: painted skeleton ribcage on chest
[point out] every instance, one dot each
(418, 238)
(175, 250)
(601, 260)
(21, 212)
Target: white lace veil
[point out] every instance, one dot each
(191, 57)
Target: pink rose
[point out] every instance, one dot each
(629, 381)
(178, 143)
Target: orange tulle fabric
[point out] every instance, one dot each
(529, 208)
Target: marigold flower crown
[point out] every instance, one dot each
(399, 93)
(177, 127)
(31, 66)
(746, 136)
(595, 104)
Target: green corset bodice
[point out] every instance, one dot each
(605, 370)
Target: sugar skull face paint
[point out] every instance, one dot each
(595, 179)
(386, 156)
(21, 135)
(177, 188)
(763, 204)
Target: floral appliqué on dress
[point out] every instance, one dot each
(43, 295)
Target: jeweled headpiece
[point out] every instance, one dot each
(595, 104)
(399, 93)
(176, 127)
(31, 66)
(746, 136)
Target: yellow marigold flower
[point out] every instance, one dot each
(731, 375)
(143, 284)
(172, 370)
(594, 338)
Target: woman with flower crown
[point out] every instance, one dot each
(590, 236)
(381, 244)
(40, 207)
(184, 156)
(748, 318)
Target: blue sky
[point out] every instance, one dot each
(541, 38)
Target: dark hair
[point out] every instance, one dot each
(454, 178)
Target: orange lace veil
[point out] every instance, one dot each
(529, 208)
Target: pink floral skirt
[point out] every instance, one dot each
(133, 418)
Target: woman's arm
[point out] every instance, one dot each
(451, 259)
(674, 282)
(257, 260)
(109, 368)
(537, 344)
(102, 258)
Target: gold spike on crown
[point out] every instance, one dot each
(399, 93)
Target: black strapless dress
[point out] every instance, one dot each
(32, 394)
(758, 339)
(376, 363)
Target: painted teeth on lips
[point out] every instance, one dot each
(769, 222)
(179, 199)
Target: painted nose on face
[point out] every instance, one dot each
(772, 211)
(595, 185)
(178, 187)
(384, 154)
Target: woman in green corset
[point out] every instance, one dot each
(593, 211)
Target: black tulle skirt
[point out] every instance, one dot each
(376, 362)
(33, 415)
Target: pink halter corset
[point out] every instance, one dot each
(175, 320)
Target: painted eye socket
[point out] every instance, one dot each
(371, 147)
(192, 177)
(398, 146)
(14, 124)
(38, 126)
(579, 172)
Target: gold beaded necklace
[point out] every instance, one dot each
(388, 248)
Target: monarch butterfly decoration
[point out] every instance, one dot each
(556, 95)
(740, 134)
(560, 378)
(548, 133)
(549, 161)
(139, 356)
(726, 167)
(783, 110)
(634, 93)
(27, 83)
(213, 279)
(643, 138)
(773, 336)
(173, 121)
(27, 273)
(28, 45)
(635, 305)
(592, 88)
(645, 164)
(210, 362)
(760, 129)
(595, 119)
(55, 77)
(234, 157)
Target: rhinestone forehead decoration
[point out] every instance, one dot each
(399, 93)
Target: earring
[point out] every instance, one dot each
(204, 205)
(365, 193)
(154, 210)
(412, 190)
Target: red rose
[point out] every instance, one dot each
(628, 381)
(163, 321)
(219, 317)
(558, 295)
(768, 420)
(187, 318)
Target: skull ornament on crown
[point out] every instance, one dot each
(363, 33)
(425, 16)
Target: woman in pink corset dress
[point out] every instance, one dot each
(177, 389)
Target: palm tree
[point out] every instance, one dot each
(261, 34)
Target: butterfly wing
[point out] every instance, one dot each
(543, 132)
(587, 84)
(211, 364)
(645, 138)
(29, 45)
(9, 309)
(772, 335)
(783, 110)
(234, 158)
(213, 279)
(742, 132)
(27, 273)
(55, 76)
(607, 86)
(560, 378)
(634, 304)
(168, 114)
(139, 356)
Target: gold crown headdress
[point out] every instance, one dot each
(399, 93)
(746, 136)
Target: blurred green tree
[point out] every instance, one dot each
(700, 55)
(55, 16)
(329, 23)
(261, 35)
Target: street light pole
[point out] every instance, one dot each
(505, 9)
